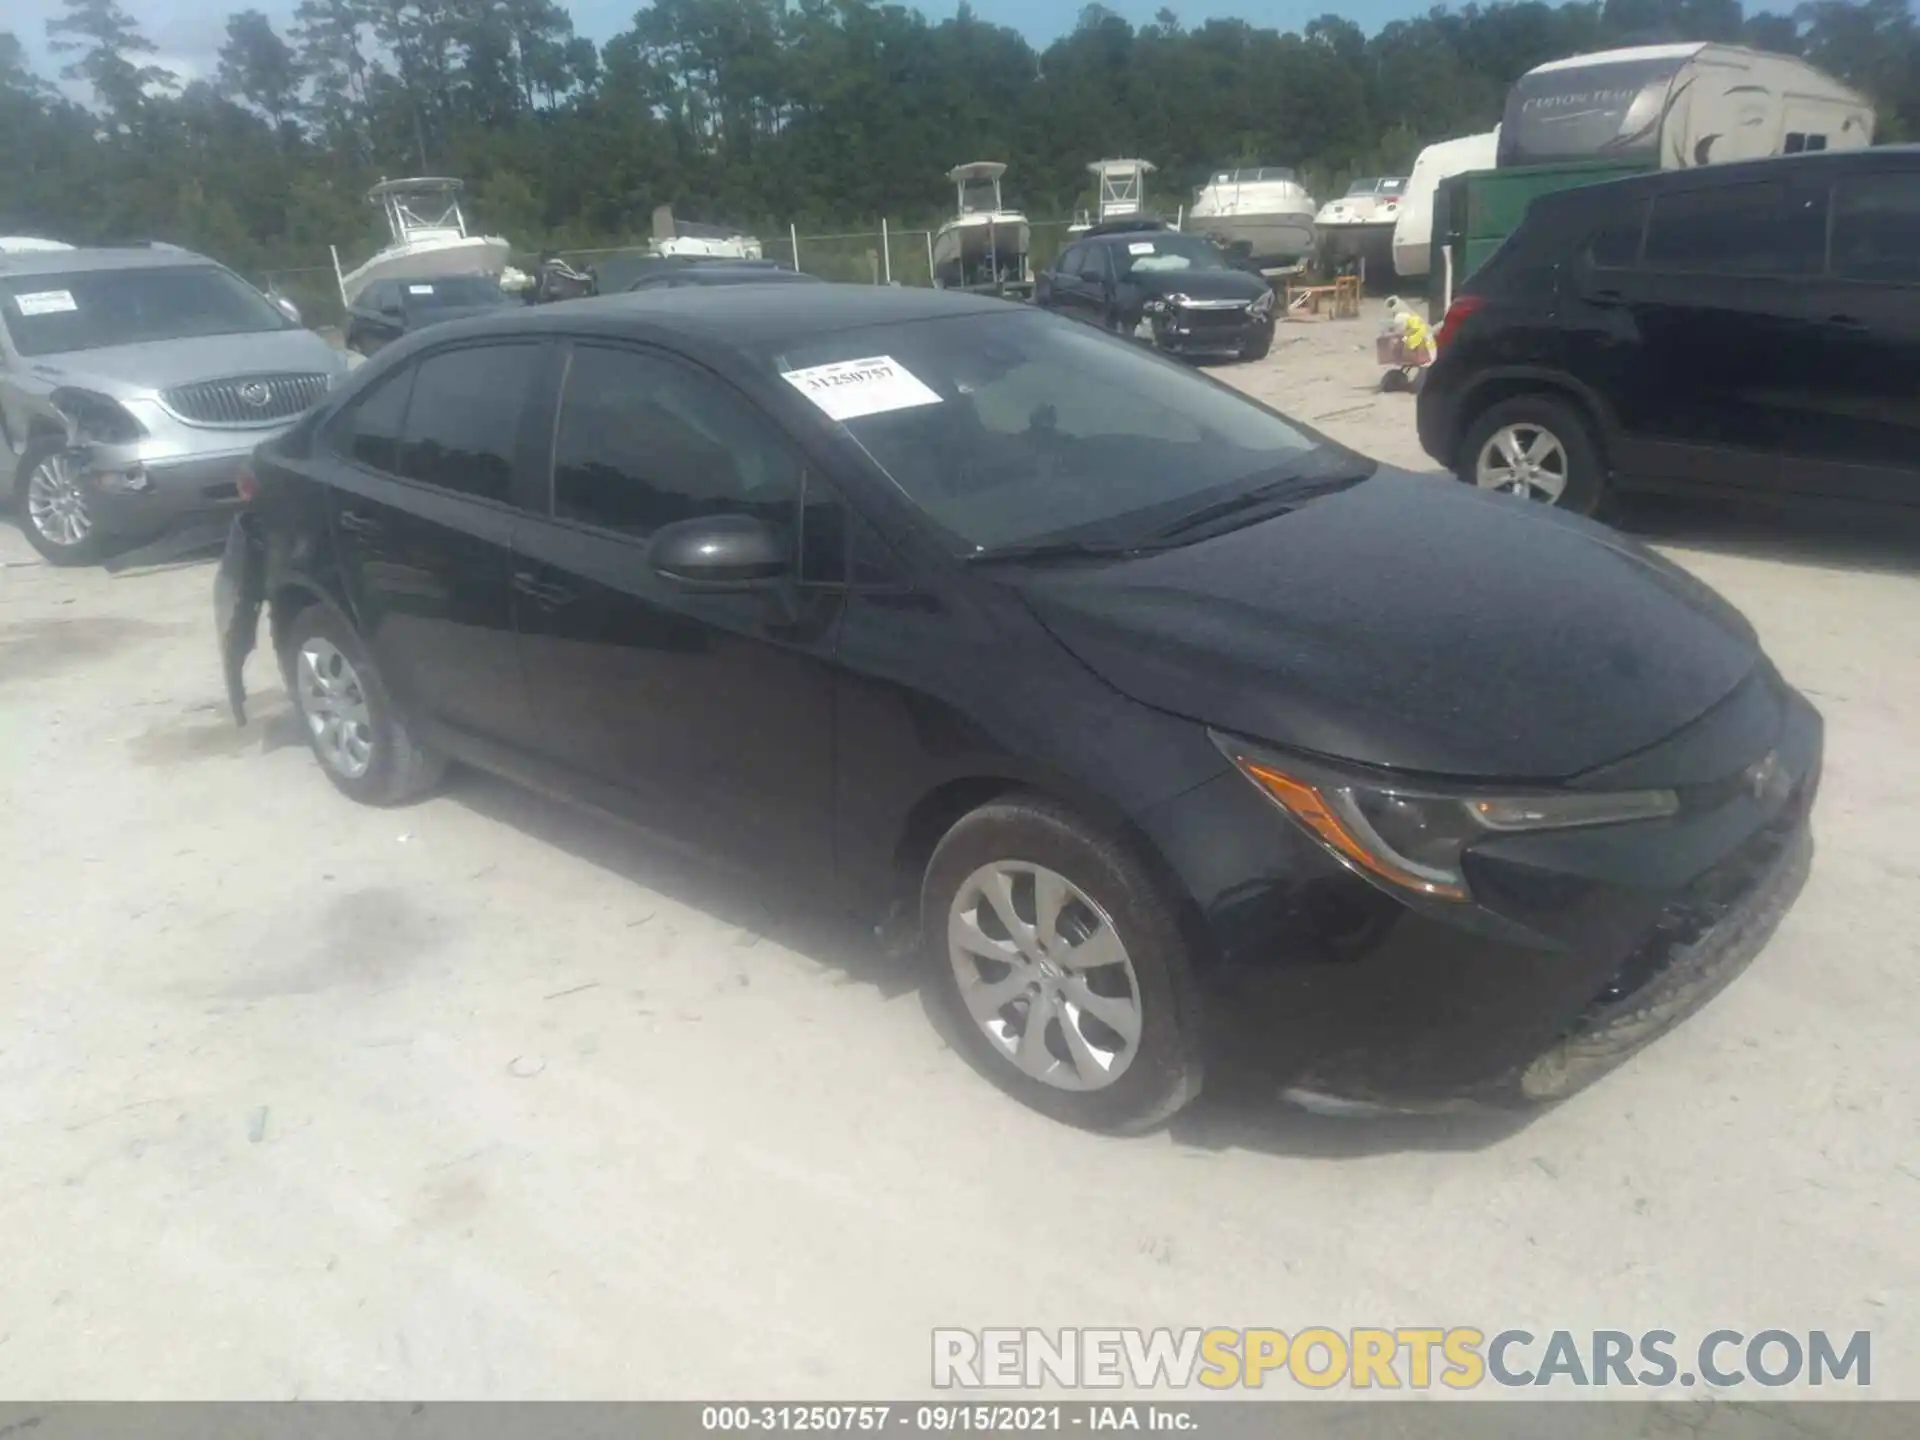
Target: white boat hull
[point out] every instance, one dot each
(428, 259)
(962, 249)
(1275, 237)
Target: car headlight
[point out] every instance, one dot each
(1155, 307)
(1263, 305)
(1412, 838)
(96, 418)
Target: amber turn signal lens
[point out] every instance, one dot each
(1311, 809)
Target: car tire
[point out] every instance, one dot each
(360, 736)
(1138, 1059)
(49, 503)
(1258, 348)
(1563, 463)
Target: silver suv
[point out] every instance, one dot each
(134, 385)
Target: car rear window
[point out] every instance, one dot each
(1616, 244)
(1725, 230)
(1876, 228)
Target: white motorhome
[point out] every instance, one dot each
(1413, 229)
(1678, 105)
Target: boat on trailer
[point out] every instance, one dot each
(429, 237)
(984, 247)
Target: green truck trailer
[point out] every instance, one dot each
(1474, 213)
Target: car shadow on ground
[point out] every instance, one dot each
(1235, 1111)
(1885, 544)
(748, 901)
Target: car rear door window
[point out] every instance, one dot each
(643, 441)
(1616, 244)
(368, 432)
(463, 421)
(1725, 230)
(1876, 228)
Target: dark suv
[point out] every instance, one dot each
(1180, 292)
(1747, 329)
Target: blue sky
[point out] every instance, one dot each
(189, 32)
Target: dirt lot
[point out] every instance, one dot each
(486, 1098)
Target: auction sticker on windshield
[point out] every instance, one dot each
(419, 289)
(1140, 247)
(45, 302)
(848, 389)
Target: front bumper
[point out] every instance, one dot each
(130, 498)
(1582, 948)
(1190, 331)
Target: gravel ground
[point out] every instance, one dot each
(486, 1098)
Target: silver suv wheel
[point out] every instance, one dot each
(56, 506)
(334, 706)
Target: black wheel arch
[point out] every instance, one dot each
(1496, 385)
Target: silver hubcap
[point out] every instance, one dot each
(55, 503)
(335, 708)
(1524, 460)
(1044, 975)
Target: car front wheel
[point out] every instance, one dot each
(1059, 967)
(1538, 448)
(358, 734)
(52, 507)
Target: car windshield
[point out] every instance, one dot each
(51, 314)
(1013, 428)
(453, 291)
(1168, 250)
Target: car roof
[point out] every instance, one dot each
(740, 317)
(68, 262)
(1726, 172)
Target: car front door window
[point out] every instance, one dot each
(644, 442)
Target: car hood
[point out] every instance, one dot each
(1200, 284)
(128, 371)
(1411, 623)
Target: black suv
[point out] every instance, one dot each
(1747, 329)
(1143, 279)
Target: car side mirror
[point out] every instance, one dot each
(721, 552)
(287, 308)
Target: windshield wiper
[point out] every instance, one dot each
(1285, 493)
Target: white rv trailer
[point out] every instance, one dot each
(1679, 105)
(1413, 227)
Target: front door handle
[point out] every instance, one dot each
(354, 523)
(1850, 323)
(552, 596)
(1605, 299)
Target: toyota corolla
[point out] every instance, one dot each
(1181, 735)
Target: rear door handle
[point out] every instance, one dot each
(1846, 322)
(355, 523)
(532, 586)
(1605, 298)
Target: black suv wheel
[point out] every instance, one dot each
(1537, 447)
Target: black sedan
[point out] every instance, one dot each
(387, 309)
(1180, 733)
(1180, 292)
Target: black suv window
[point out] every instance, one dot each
(464, 418)
(1616, 244)
(643, 442)
(1725, 230)
(1876, 228)
(369, 431)
(1069, 261)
